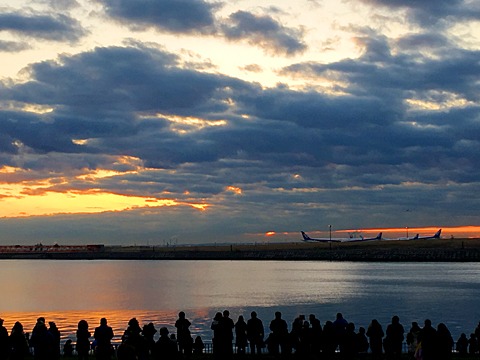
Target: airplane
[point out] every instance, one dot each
(434, 236)
(361, 238)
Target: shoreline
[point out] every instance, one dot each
(437, 250)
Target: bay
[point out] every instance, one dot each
(155, 291)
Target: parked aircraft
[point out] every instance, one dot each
(361, 238)
(434, 236)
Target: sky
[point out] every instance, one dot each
(192, 121)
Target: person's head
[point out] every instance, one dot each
(226, 313)
(361, 330)
(1, 322)
(103, 321)
(395, 319)
(181, 315)
(82, 324)
(339, 316)
(428, 322)
(253, 314)
(218, 316)
(163, 331)
(278, 315)
(240, 318)
(311, 317)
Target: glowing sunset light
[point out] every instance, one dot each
(72, 202)
(270, 233)
(235, 190)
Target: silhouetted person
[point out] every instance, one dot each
(165, 348)
(4, 342)
(68, 348)
(134, 338)
(394, 339)
(83, 340)
(217, 335)
(279, 334)
(53, 330)
(126, 351)
(329, 341)
(103, 336)
(462, 345)
(477, 332)
(198, 346)
(375, 334)
(241, 335)
(340, 326)
(348, 349)
(227, 326)
(361, 341)
(255, 333)
(18, 343)
(315, 334)
(42, 341)
(445, 342)
(412, 338)
(428, 339)
(472, 344)
(184, 337)
(304, 341)
(297, 326)
(149, 332)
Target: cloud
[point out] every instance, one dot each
(431, 12)
(176, 16)
(54, 27)
(264, 31)
(12, 46)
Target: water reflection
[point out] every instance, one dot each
(154, 291)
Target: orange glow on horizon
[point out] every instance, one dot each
(270, 233)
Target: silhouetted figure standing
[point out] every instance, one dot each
(134, 338)
(18, 343)
(42, 341)
(83, 340)
(241, 335)
(165, 348)
(472, 344)
(53, 330)
(184, 337)
(4, 342)
(394, 339)
(428, 339)
(227, 326)
(348, 348)
(315, 334)
(255, 333)
(103, 335)
(279, 335)
(329, 341)
(340, 326)
(412, 338)
(375, 334)
(445, 342)
(149, 332)
(462, 345)
(217, 335)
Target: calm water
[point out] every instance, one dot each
(154, 291)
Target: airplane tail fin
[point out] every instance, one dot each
(437, 234)
(379, 236)
(415, 237)
(305, 236)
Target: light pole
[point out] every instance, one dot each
(406, 227)
(330, 231)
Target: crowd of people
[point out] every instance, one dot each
(306, 339)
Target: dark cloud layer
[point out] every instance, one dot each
(264, 31)
(397, 128)
(55, 27)
(179, 16)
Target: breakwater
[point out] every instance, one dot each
(457, 250)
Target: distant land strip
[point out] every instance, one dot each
(437, 250)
